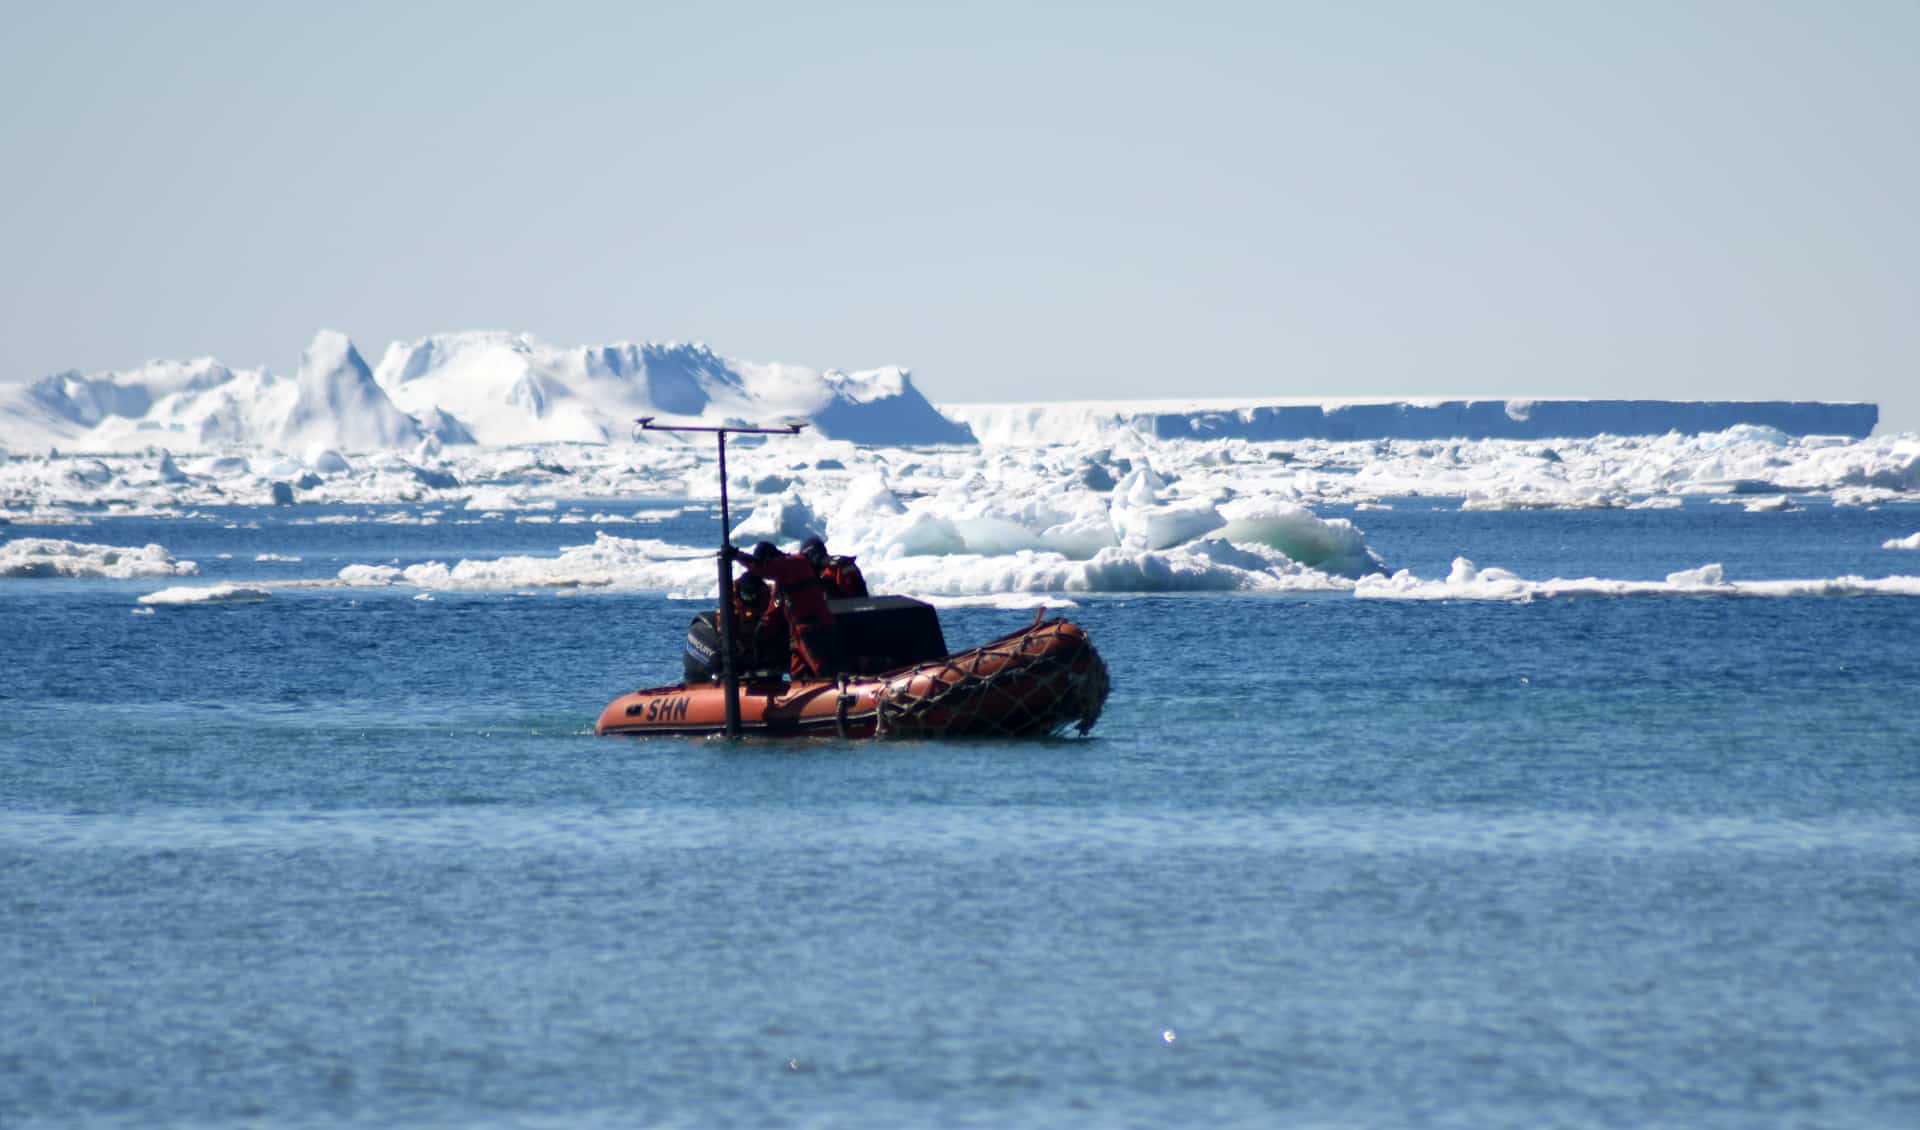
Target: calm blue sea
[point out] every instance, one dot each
(348, 858)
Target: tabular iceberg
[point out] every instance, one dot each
(1406, 419)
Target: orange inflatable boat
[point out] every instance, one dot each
(1037, 681)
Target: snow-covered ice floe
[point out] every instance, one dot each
(1911, 541)
(193, 596)
(50, 557)
(1469, 582)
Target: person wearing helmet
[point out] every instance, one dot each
(762, 639)
(800, 595)
(840, 575)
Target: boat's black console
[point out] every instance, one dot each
(879, 633)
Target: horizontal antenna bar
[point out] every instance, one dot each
(646, 424)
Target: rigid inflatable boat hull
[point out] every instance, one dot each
(1037, 681)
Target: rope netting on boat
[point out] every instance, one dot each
(1036, 681)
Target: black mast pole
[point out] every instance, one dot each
(729, 679)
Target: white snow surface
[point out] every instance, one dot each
(1911, 541)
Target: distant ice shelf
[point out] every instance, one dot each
(493, 389)
(1262, 420)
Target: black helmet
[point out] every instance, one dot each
(765, 551)
(751, 589)
(813, 549)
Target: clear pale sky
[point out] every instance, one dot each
(1694, 200)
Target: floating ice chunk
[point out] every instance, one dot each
(994, 534)
(867, 502)
(1141, 486)
(51, 557)
(204, 595)
(1828, 586)
(502, 498)
(787, 516)
(1706, 576)
(1863, 496)
(91, 472)
(1331, 545)
(1911, 541)
(1163, 526)
(923, 534)
(1519, 494)
(1082, 535)
(1209, 566)
(370, 575)
(626, 564)
(327, 461)
(1141, 521)
(1466, 582)
(1747, 433)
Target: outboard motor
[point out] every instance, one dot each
(701, 662)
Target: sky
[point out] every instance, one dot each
(1017, 201)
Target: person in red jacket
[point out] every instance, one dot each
(798, 590)
(761, 642)
(841, 576)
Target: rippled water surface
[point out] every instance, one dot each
(346, 857)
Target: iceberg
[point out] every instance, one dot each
(486, 388)
(1415, 419)
(337, 404)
